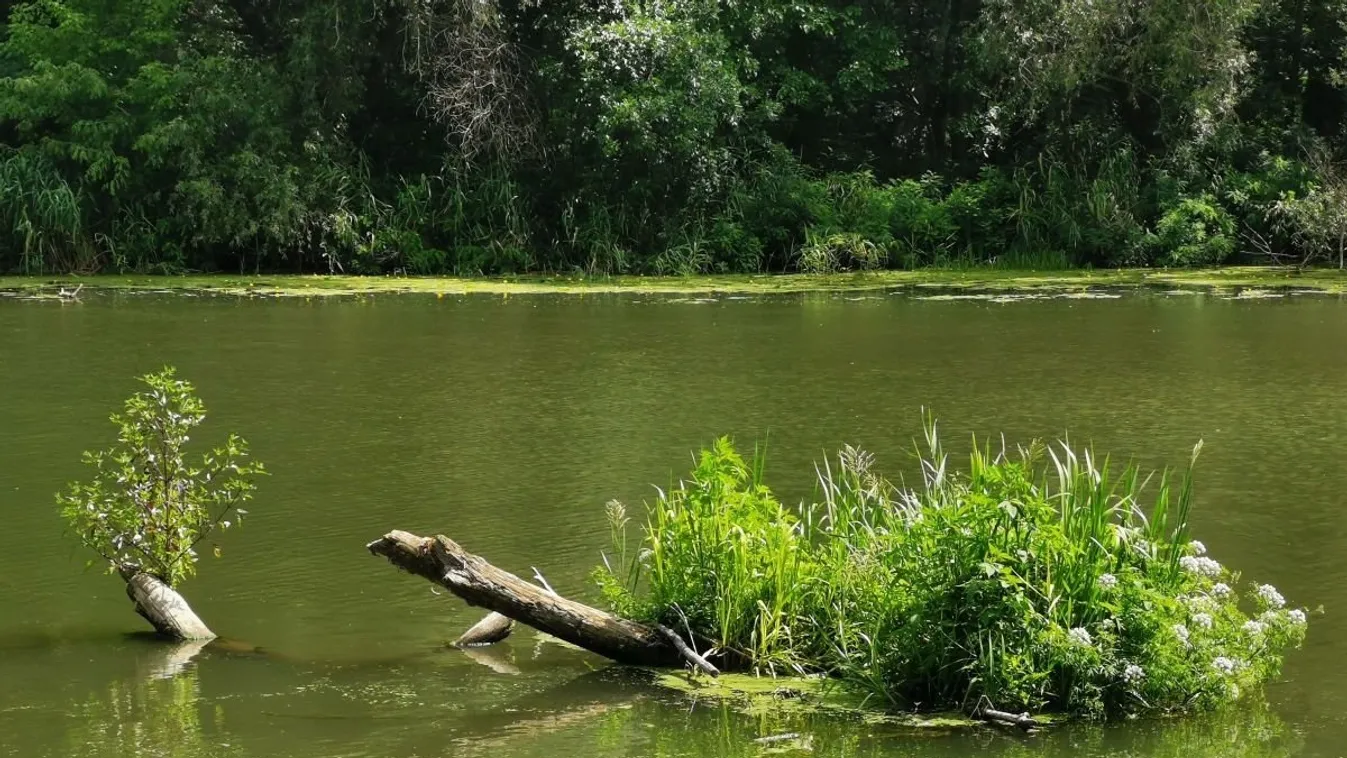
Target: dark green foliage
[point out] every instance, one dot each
(673, 137)
(1196, 232)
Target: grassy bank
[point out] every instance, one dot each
(1220, 279)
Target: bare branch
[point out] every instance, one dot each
(474, 77)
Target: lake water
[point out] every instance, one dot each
(507, 423)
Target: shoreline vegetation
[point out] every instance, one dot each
(670, 138)
(1247, 280)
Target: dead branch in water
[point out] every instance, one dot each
(687, 652)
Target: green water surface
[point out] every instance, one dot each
(507, 423)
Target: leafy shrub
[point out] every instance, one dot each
(825, 253)
(1263, 198)
(1319, 222)
(777, 204)
(919, 222)
(1195, 232)
(1020, 583)
(147, 504)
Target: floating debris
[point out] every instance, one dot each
(1255, 295)
(1091, 295)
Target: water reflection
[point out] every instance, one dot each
(606, 714)
(391, 415)
(158, 712)
(170, 701)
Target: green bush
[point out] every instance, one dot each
(825, 253)
(1032, 580)
(776, 204)
(1263, 198)
(1195, 232)
(919, 222)
(148, 505)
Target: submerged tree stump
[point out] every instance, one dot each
(493, 628)
(472, 578)
(162, 606)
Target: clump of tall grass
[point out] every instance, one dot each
(1034, 579)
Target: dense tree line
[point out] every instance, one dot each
(662, 136)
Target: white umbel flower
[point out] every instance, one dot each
(1133, 673)
(1079, 636)
(1270, 596)
(1200, 566)
(1108, 581)
(1181, 632)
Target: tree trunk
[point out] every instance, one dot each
(443, 561)
(163, 607)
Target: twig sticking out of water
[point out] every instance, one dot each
(687, 652)
(542, 582)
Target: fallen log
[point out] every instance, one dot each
(1021, 720)
(495, 627)
(162, 606)
(472, 578)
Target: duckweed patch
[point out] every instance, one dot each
(801, 695)
(985, 281)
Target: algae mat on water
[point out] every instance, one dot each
(760, 695)
(1228, 279)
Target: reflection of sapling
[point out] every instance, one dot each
(148, 507)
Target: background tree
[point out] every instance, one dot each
(658, 136)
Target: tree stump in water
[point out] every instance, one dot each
(163, 607)
(444, 562)
(490, 630)
(495, 627)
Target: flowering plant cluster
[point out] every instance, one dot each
(1015, 584)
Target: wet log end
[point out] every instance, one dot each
(493, 628)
